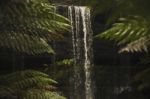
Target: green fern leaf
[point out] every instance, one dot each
(37, 24)
(28, 84)
(132, 31)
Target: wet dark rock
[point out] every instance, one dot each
(68, 2)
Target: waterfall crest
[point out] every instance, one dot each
(82, 50)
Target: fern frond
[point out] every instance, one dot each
(24, 43)
(37, 94)
(25, 76)
(144, 79)
(30, 20)
(28, 84)
(5, 92)
(139, 45)
(32, 82)
(31, 15)
(132, 31)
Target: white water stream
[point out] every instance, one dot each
(82, 49)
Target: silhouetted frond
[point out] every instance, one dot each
(143, 78)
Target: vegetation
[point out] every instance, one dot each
(128, 26)
(28, 25)
(28, 84)
(143, 79)
(132, 32)
(131, 27)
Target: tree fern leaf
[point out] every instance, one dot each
(22, 75)
(36, 94)
(36, 22)
(133, 31)
(28, 84)
(138, 45)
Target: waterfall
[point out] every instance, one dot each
(82, 51)
(85, 12)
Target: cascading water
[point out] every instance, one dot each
(82, 50)
(85, 12)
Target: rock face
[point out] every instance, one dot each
(68, 2)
